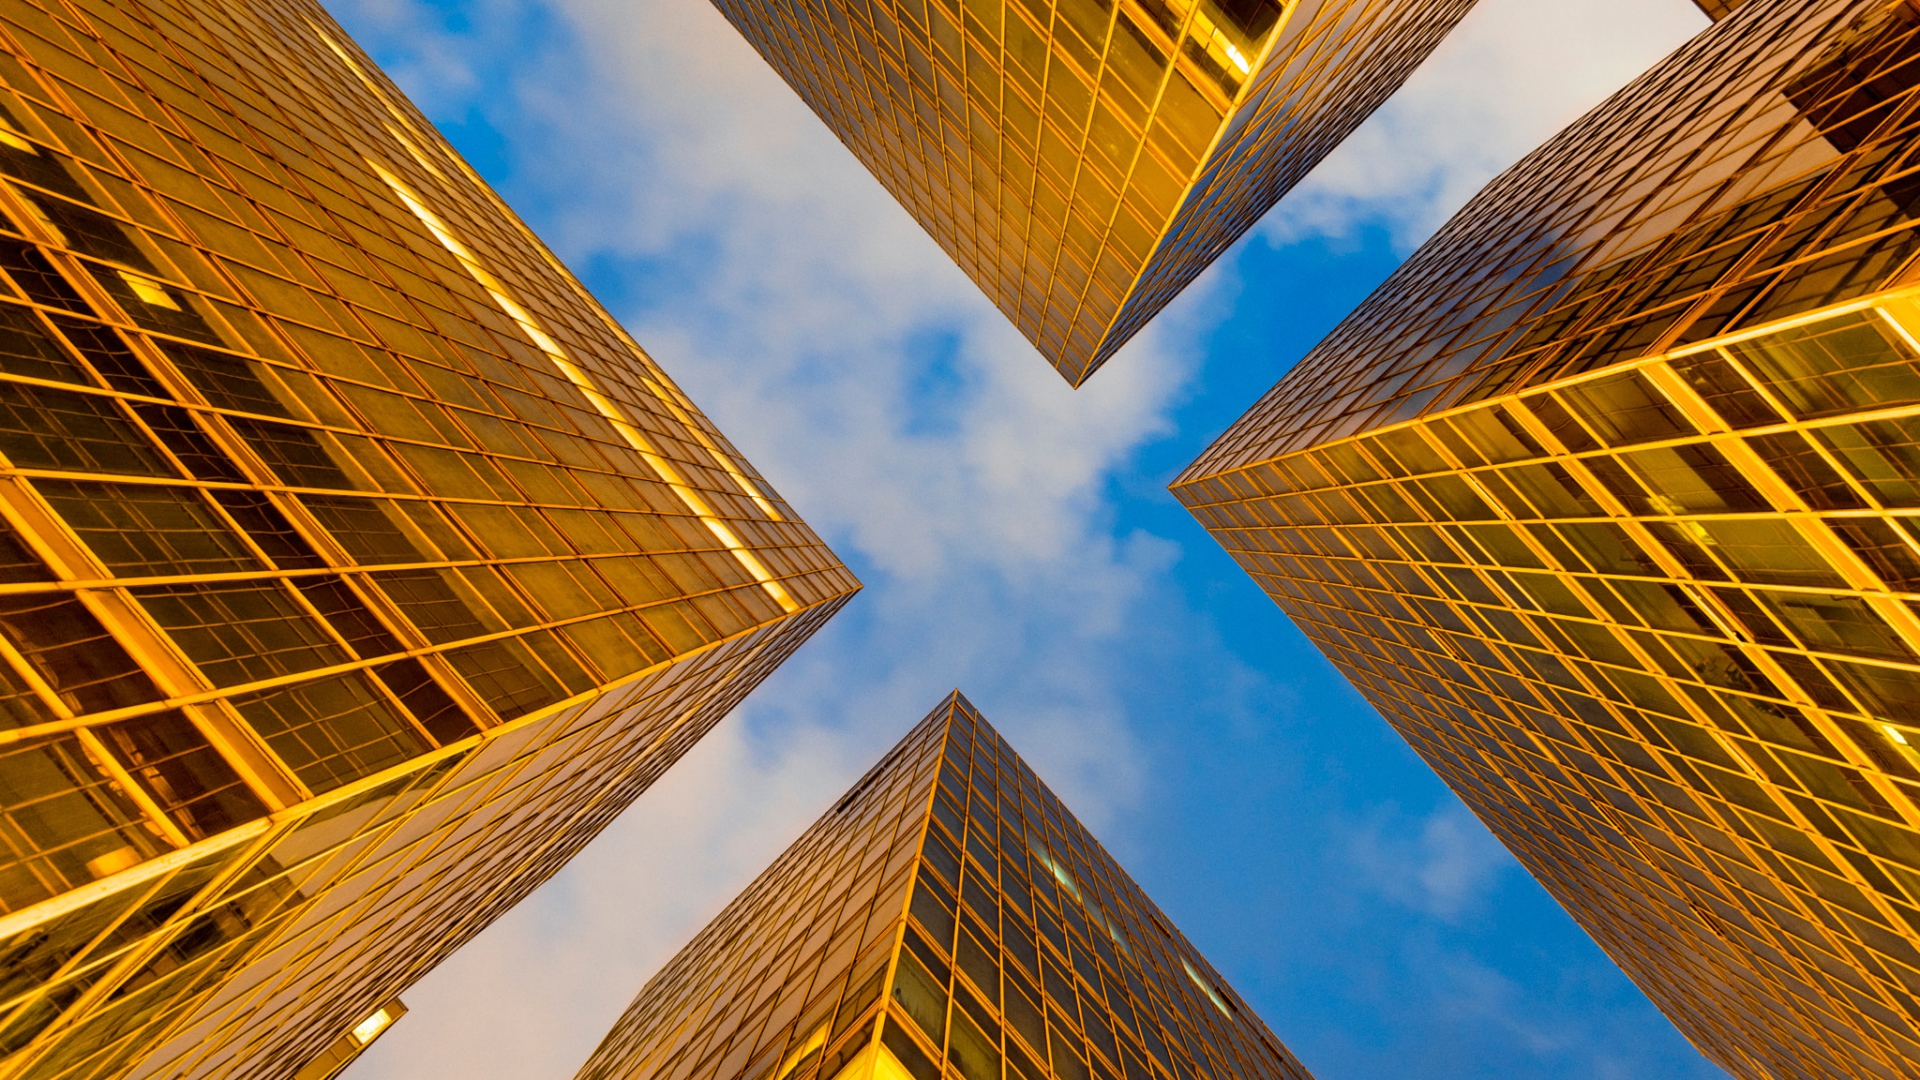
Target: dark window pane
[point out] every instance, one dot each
(267, 527)
(294, 454)
(331, 732)
(41, 428)
(178, 432)
(64, 824)
(435, 710)
(69, 648)
(506, 678)
(25, 349)
(183, 773)
(141, 530)
(31, 270)
(110, 357)
(241, 632)
(226, 381)
(363, 529)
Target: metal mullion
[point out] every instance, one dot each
(85, 1005)
(439, 669)
(40, 688)
(382, 690)
(135, 791)
(149, 646)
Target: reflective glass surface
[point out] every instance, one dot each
(1083, 160)
(947, 917)
(1607, 500)
(355, 566)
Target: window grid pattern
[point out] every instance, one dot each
(1083, 160)
(318, 474)
(1012, 948)
(1635, 569)
(264, 944)
(1692, 203)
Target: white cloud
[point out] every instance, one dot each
(1444, 864)
(533, 996)
(813, 286)
(830, 338)
(801, 308)
(1477, 995)
(1512, 74)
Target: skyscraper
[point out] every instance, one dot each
(355, 567)
(1084, 160)
(1606, 500)
(947, 909)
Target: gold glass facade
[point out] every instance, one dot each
(355, 567)
(1607, 500)
(947, 918)
(1083, 160)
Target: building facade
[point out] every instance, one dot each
(947, 917)
(357, 568)
(1606, 499)
(1084, 160)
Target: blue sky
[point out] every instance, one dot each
(1017, 541)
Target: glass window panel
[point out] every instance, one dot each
(241, 632)
(26, 350)
(144, 530)
(1846, 364)
(506, 677)
(364, 528)
(42, 428)
(67, 646)
(331, 732)
(63, 822)
(182, 773)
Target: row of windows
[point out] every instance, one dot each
(770, 970)
(220, 306)
(1786, 992)
(239, 633)
(922, 91)
(1704, 122)
(1297, 112)
(368, 892)
(957, 230)
(163, 449)
(1650, 617)
(791, 989)
(1824, 929)
(1100, 932)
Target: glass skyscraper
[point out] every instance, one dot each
(355, 567)
(1083, 160)
(1607, 499)
(946, 917)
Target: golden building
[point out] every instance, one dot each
(947, 917)
(1084, 160)
(355, 567)
(1607, 499)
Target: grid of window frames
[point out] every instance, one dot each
(1050, 147)
(1012, 948)
(1322, 79)
(1693, 203)
(318, 477)
(1642, 581)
